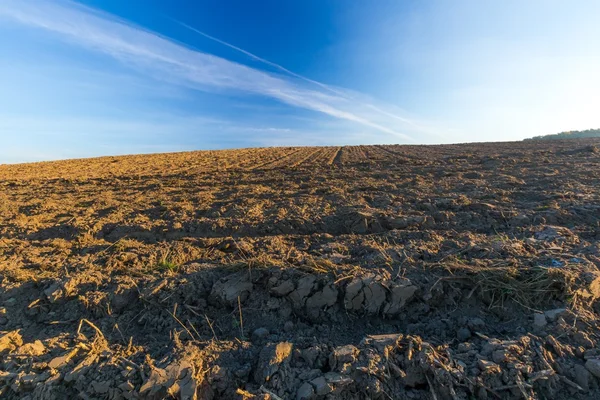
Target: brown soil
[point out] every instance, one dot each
(380, 272)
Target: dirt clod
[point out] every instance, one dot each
(10, 341)
(305, 392)
(260, 333)
(463, 334)
(593, 366)
(321, 386)
(539, 320)
(229, 290)
(34, 349)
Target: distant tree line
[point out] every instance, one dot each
(590, 133)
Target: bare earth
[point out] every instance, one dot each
(379, 272)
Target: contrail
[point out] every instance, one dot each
(164, 59)
(257, 58)
(292, 73)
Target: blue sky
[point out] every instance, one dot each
(101, 77)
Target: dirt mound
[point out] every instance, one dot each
(214, 333)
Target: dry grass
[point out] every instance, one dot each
(528, 286)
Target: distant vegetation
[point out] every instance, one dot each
(590, 133)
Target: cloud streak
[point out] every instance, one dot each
(346, 94)
(259, 59)
(169, 61)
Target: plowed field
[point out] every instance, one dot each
(364, 272)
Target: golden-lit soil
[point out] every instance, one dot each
(379, 272)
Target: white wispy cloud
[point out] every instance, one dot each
(259, 59)
(172, 62)
(343, 93)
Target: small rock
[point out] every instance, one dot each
(552, 315)
(288, 326)
(2, 311)
(305, 392)
(582, 376)
(260, 333)
(463, 334)
(539, 320)
(593, 365)
(321, 386)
